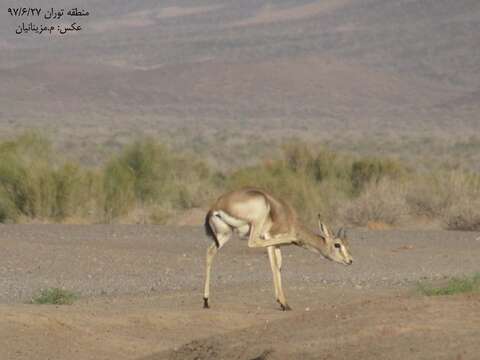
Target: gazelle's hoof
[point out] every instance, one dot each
(285, 307)
(205, 303)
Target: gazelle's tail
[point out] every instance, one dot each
(208, 228)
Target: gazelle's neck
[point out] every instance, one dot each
(309, 239)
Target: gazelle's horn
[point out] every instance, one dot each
(339, 232)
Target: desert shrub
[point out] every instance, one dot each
(150, 165)
(462, 210)
(451, 196)
(32, 183)
(331, 165)
(138, 174)
(464, 216)
(320, 164)
(14, 187)
(147, 173)
(147, 182)
(118, 190)
(68, 185)
(427, 195)
(160, 215)
(379, 202)
(368, 170)
(297, 156)
(191, 183)
(8, 211)
(35, 183)
(54, 296)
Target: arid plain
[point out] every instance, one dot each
(141, 297)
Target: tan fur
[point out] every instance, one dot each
(269, 222)
(281, 216)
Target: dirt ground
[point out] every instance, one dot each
(141, 297)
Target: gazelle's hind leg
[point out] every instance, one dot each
(243, 230)
(222, 233)
(211, 252)
(259, 231)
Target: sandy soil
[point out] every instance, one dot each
(141, 289)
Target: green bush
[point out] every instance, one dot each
(32, 183)
(54, 296)
(35, 184)
(118, 190)
(147, 173)
(368, 170)
(297, 156)
(147, 182)
(454, 286)
(8, 210)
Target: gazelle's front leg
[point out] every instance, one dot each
(281, 295)
(280, 239)
(275, 258)
(273, 265)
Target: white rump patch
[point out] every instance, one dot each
(230, 220)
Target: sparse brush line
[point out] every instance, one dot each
(146, 182)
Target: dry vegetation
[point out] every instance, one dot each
(147, 182)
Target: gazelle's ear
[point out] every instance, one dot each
(324, 230)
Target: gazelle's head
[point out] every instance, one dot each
(335, 247)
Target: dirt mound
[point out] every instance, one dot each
(215, 349)
(402, 327)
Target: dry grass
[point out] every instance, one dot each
(452, 196)
(146, 182)
(463, 210)
(380, 203)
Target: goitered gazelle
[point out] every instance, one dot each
(268, 222)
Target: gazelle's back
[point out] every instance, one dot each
(243, 204)
(250, 203)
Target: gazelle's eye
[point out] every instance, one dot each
(337, 245)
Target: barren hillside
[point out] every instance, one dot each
(317, 67)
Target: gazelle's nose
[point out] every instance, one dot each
(350, 262)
